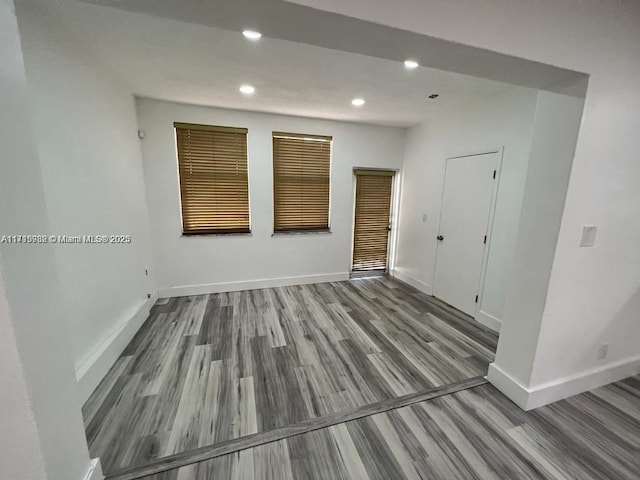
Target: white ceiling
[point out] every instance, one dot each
(187, 62)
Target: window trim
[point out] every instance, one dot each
(209, 128)
(302, 136)
(303, 229)
(284, 233)
(211, 231)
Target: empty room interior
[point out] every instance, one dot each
(265, 239)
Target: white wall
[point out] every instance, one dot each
(189, 264)
(552, 148)
(593, 292)
(503, 121)
(41, 431)
(20, 448)
(86, 129)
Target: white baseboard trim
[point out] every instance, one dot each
(184, 290)
(557, 390)
(488, 320)
(516, 392)
(94, 471)
(411, 280)
(543, 394)
(95, 365)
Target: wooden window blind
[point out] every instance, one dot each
(214, 179)
(371, 230)
(301, 182)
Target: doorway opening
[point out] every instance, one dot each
(372, 222)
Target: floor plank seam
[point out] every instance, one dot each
(227, 447)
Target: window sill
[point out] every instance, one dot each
(199, 235)
(301, 232)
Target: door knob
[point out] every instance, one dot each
(440, 237)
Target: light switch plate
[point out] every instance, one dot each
(588, 235)
(424, 218)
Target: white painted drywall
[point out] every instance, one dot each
(555, 130)
(503, 121)
(210, 260)
(593, 293)
(143, 48)
(41, 429)
(20, 452)
(86, 130)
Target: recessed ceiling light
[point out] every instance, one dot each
(252, 34)
(410, 64)
(247, 89)
(357, 102)
(433, 95)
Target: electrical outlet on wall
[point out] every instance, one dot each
(424, 218)
(603, 351)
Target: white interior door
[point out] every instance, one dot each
(464, 221)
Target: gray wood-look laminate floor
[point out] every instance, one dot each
(474, 434)
(210, 368)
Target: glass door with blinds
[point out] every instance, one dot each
(372, 220)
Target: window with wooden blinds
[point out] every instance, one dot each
(371, 230)
(301, 182)
(214, 179)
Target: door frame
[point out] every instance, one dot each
(492, 210)
(393, 215)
